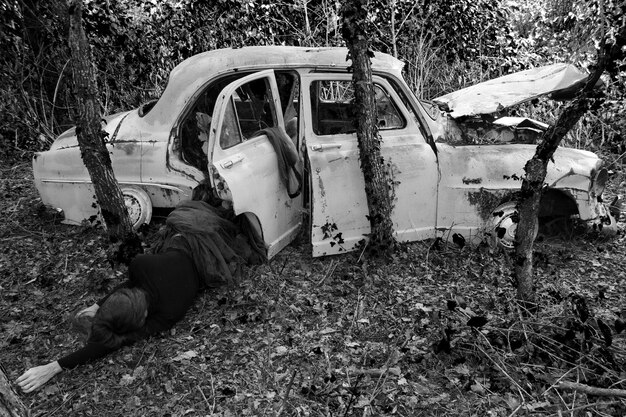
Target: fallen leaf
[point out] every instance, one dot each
(327, 330)
(168, 387)
(185, 355)
(126, 380)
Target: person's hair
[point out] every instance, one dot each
(122, 313)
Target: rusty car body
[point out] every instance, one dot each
(207, 126)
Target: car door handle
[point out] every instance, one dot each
(322, 147)
(235, 160)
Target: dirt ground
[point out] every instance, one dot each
(433, 332)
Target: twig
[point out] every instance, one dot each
(212, 395)
(582, 407)
(588, 389)
(142, 352)
(69, 397)
(617, 159)
(329, 272)
(519, 387)
(362, 252)
(203, 396)
(557, 382)
(284, 265)
(353, 391)
(376, 372)
(516, 410)
(282, 406)
(356, 309)
(54, 97)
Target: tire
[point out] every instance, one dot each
(138, 205)
(503, 226)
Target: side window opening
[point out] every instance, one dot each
(250, 110)
(194, 130)
(254, 107)
(333, 109)
(231, 135)
(289, 92)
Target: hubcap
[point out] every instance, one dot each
(505, 225)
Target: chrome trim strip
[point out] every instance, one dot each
(141, 184)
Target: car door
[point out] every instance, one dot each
(243, 164)
(339, 203)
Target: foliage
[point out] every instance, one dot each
(31, 94)
(449, 44)
(137, 42)
(570, 31)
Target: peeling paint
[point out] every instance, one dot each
(486, 201)
(468, 181)
(128, 147)
(221, 187)
(321, 185)
(514, 177)
(329, 230)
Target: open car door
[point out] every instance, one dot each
(243, 164)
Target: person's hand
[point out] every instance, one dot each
(35, 377)
(89, 311)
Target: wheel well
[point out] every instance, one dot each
(554, 203)
(557, 203)
(254, 223)
(251, 227)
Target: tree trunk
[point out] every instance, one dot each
(536, 168)
(10, 404)
(378, 186)
(91, 139)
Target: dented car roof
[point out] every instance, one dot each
(559, 80)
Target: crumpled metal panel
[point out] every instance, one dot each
(475, 179)
(497, 94)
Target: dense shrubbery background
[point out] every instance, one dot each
(446, 45)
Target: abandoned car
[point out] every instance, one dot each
(216, 124)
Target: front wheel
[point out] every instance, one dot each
(503, 225)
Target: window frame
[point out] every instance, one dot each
(381, 82)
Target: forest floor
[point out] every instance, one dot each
(433, 332)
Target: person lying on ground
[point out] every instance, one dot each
(161, 287)
(160, 290)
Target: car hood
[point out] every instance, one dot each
(68, 138)
(561, 81)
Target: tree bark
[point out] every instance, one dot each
(10, 404)
(378, 185)
(536, 169)
(91, 140)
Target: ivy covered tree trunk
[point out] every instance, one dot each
(91, 142)
(536, 167)
(378, 186)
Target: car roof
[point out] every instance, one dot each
(193, 73)
(251, 57)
